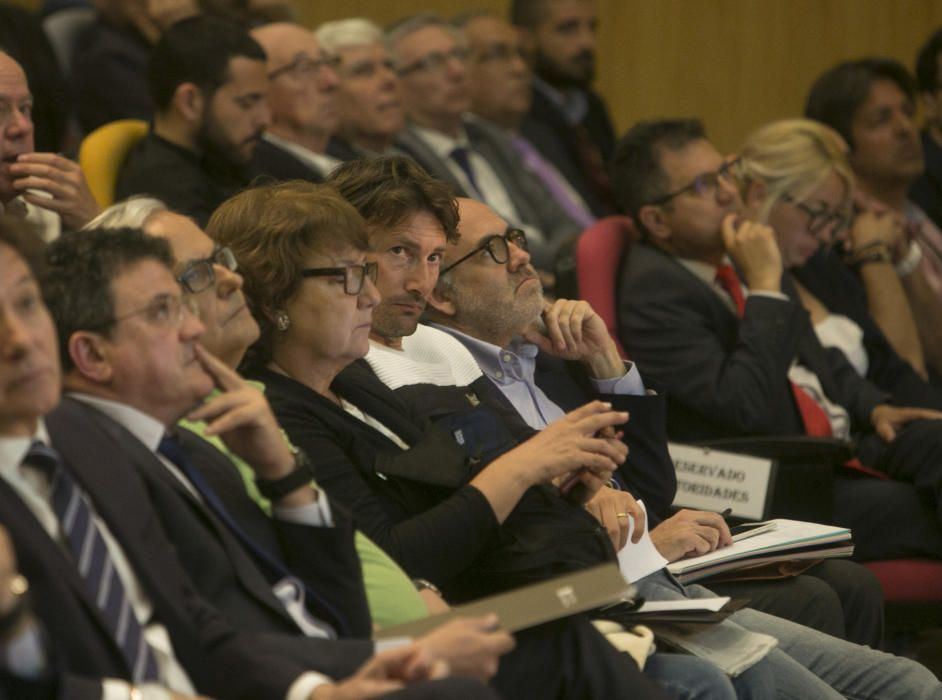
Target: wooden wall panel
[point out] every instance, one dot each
(735, 63)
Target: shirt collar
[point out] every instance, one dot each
(145, 428)
(515, 363)
(440, 143)
(14, 449)
(321, 162)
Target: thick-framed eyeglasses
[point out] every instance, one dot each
(200, 275)
(166, 310)
(704, 184)
(304, 66)
(353, 275)
(497, 246)
(435, 61)
(820, 219)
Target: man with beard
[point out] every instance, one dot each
(568, 122)
(209, 84)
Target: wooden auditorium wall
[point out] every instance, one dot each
(734, 63)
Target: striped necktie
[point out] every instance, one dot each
(91, 557)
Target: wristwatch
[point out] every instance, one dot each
(276, 489)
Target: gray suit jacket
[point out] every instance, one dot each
(534, 202)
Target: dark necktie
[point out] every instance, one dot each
(593, 165)
(171, 449)
(813, 416)
(87, 545)
(461, 155)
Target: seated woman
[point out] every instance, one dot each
(794, 175)
(435, 507)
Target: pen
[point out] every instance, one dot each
(726, 513)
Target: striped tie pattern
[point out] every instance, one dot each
(91, 557)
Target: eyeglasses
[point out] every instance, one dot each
(353, 275)
(497, 246)
(704, 184)
(435, 61)
(367, 69)
(199, 275)
(820, 219)
(166, 310)
(503, 53)
(306, 67)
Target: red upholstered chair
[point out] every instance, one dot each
(908, 584)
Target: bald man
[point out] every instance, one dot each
(303, 102)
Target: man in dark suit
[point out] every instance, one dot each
(120, 612)
(737, 366)
(475, 157)
(296, 572)
(567, 121)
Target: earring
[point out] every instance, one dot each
(282, 321)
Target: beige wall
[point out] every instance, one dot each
(735, 63)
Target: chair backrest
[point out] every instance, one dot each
(63, 29)
(103, 152)
(598, 256)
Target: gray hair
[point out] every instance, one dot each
(133, 212)
(402, 28)
(345, 33)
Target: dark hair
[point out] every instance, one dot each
(82, 267)
(197, 50)
(387, 191)
(637, 176)
(527, 13)
(25, 241)
(839, 92)
(927, 63)
(271, 230)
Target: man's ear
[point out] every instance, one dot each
(90, 356)
(440, 300)
(189, 101)
(654, 221)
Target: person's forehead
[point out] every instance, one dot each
(186, 238)
(294, 41)
(477, 222)
(140, 282)
(361, 52)
(14, 271)
(883, 92)
(490, 30)
(246, 75)
(425, 41)
(13, 85)
(420, 230)
(558, 11)
(684, 164)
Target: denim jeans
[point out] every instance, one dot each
(809, 664)
(689, 678)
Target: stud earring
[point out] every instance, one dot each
(282, 321)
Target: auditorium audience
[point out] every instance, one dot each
(871, 103)
(371, 112)
(501, 92)
(489, 298)
(46, 189)
(473, 156)
(302, 98)
(208, 80)
(568, 121)
(735, 349)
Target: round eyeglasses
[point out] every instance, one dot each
(497, 246)
(200, 275)
(353, 275)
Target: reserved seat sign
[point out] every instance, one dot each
(709, 479)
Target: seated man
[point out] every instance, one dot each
(493, 306)
(430, 372)
(473, 156)
(208, 80)
(763, 373)
(303, 103)
(118, 608)
(370, 110)
(46, 188)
